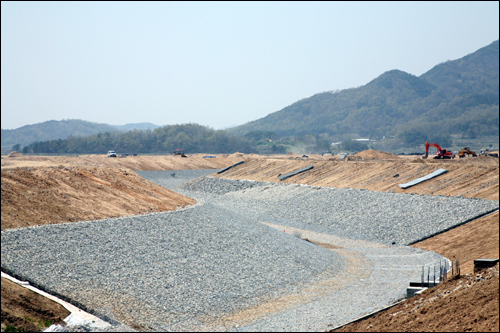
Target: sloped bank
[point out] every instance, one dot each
(166, 271)
(478, 178)
(381, 217)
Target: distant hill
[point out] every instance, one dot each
(54, 129)
(455, 97)
(139, 126)
(51, 130)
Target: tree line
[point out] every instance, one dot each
(193, 138)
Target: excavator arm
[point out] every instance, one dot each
(427, 145)
(441, 153)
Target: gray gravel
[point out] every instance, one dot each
(179, 271)
(380, 217)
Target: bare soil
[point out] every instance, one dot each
(474, 240)
(55, 194)
(143, 162)
(28, 311)
(469, 177)
(372, 154)
(43, 190)
(465, 304)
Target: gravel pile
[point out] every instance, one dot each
(183, 270)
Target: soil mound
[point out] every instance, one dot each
(372, 154)
(15, 154)
(237, 154)
(483, 159)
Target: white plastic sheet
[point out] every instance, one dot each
(424, 178)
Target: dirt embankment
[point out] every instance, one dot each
(55, 194)
(472, 177)
(474, 240)
(145, 163)
(27, 311)
(467, 304)
(372, 154)
(54, 189)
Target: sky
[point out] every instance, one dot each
(217, 64)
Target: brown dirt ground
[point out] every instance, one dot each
(372, 154)
(28, 311)
(143, 162)
(469, 177)
(94, 186)
(474, 240)
(55, 194)
(466, 304)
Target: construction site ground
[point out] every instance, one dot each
(46, 190)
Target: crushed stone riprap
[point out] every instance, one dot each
(239, 256)
(380, 217)
(159, 269)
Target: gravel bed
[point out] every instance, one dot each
(181, 270)
(161, 269)
(382, 217)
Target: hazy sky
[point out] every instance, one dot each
(216, 64)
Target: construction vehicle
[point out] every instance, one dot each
(484, 152)
(178, 152)
(441, 153)
(466, 152)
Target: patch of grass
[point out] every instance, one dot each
(10, 328)
(28, 319)
(47, 323)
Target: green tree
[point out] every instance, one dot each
(441, 139)
(352, 145)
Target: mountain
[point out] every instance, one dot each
(53, 130)
(476, 73)
(50, 130)
(455, 97)
(133, 126)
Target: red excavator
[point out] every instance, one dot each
(441, 153)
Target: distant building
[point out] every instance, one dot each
(364, 140)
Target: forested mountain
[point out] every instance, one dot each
(192, 138)
(53, 129)
(455, 97)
